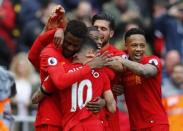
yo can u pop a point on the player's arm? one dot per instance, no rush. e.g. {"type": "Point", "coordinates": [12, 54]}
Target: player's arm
{"type": "Point", "coordinates": [47, 88]}
{"type": "Point", "coordinates": [53, 30]}
{"type": "Point", "coordinates": [146, 70]}
{"type": "Point", "coordinates": [56, 72]}
{"type": "Point", "coordinates": [63, 79]}
{"type": "Point", "coordinates": [115, 64]}
{"type": "Point", "coordinates": [38, 45]}
{"type": "Point", "coordinates": [108, 95]}
{"type": "Point", "coordinates": [38, 96]}
{"type": "Point", "coordinates": [96, 105]}
{"type": "Point", "coordinates": [110, 101]}
{"type": "Point", "coordinates": [57, 21]}
{"type": "Point", "coordinates": [117, 89]}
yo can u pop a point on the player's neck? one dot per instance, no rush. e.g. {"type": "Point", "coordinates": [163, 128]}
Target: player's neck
{"type": "Point", "coordinates": [105, 47]}
{"type": "Point", "coordinates": [76, 60]}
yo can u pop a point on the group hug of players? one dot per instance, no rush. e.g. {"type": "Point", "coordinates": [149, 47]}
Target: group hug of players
{"type": "Point", "coordinates": [82, 74]}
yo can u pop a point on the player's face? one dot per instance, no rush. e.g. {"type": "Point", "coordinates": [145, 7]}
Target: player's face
{"type": "Point", "coordinates": [177, 74]}
{"type": "Point", "coordinates": [97, 37]}
{"type": "Point", "coordinates": [71, 45]}
{"type": "Point", "coordinates": [135, 45]}
{"type": "Point", "coordinates": [104, 29]}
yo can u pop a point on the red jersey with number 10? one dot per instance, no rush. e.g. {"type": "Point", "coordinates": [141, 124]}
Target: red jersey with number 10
{"type": "Point", "coordinates": [74, 98]}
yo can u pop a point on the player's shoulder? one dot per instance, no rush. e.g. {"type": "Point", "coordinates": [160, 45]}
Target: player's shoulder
{"type": "Point", "coordinates": [117, 52]}
{"type": "Point", "coordinates": [101, 73]}
{"type": "Point", "coordinates": [152, 60]}
{"type": "Point", "coordinates": [50, 49]}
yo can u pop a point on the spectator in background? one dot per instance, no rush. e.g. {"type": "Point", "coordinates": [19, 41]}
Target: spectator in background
{"type": "Point", "coordinates": [7, 90]}
{"type": "Point", "coordinates": [158, 10]}
{"type": "Point", "coordinates": [33, 19]}
{"type": "Point", "coordinates": [173, 102]}
{"type": "Point", "coordinates": [23, 73]}
{"type": "Point", "coordinates": [83, 12]}
{"type": "Point", "coordinates": [123, 11]}
{"type": "Point", "coordinates": [170, 24]}
{"type": "Point", "coordinates": [7, 23]}
{"type": "Point", "coordinates": [172, 58]}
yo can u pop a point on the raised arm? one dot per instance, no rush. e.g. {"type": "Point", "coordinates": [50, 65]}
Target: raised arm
{"type": "Point", "coordinates": [38, 45]}
{"type": "Point", "coordinates": [53, 31]}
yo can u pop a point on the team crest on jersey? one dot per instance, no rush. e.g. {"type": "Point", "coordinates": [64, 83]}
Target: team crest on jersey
{"type": "Point", "coordinates": [153, 62]}
{"type": "Point", "coordinates": [52, 61]}
{"type": "Point", "coordinates": [124, 56]}
{"type": "Point", "coordinates": [62, 63]}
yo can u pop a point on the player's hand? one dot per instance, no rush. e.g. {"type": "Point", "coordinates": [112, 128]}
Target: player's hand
{"type": "Point", "coordinates": [59, 37]}
{"type": "Point", "coordinates": [56, 19]}
{"type": "Point", "coordinates": [117, 90]}
{"type": "Point", "coordinates": [96, 105]}
{"type": "Point", "coordinates": [37, 96]}
{"type": "Point", "coordinates": [114, 63]}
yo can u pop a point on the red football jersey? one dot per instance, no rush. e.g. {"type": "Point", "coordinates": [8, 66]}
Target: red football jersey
{"type": "Point", "coordinates": [51, 65]}
{"type": "Point", "coordinates": [48, 111]}
{"type": "Point", "coordinates": [74, 98]}
{"type": "Point", "coordinates": [143, 97]}
{"type": "Point", "coordinates": [115, 52]}
{"type": "Point", "coordinates": [113, 119]}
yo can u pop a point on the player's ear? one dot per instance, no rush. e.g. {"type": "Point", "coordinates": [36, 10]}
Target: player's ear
{"type": "Point", "coordinates": [111, 33]}
{"type": "Point", "coordinates": [75, 55]}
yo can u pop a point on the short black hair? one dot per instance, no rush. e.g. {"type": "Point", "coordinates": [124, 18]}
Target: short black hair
{"type": "Point", "coordinates": [89, 43]}
{"type": "Point", "coordinates": [134, 31]}
{"type": "Point", "coordinates": [77, 29]}
{"type": "Point", "coordinates": [92, 28]}
{"type": "Point", "coordinates": [104, 16]}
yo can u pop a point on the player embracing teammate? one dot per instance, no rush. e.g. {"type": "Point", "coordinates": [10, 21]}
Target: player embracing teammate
{"type": "Point", "coordinates": [68, 88]}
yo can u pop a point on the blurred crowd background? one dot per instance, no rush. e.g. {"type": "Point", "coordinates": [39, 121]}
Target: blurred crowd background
{"type": "Point", "coordinates": [21, 21]}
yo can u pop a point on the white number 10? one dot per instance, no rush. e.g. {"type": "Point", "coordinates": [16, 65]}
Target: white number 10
{"type": "Point", "coordinates": [77, 94]}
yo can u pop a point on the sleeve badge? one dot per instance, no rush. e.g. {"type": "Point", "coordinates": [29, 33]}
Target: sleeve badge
{"type": "Point", "coordinates": [52, 61]}
{"type": "Point", "coordinates": [124, 56]}
{"type": "Point", "coordinates": [153, 62]}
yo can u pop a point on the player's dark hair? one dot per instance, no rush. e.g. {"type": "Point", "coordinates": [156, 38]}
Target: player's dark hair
{"type": "Point", "coordinates": [92, 28]}
{"type": "Point", "coordinates": [104, 16]}
{"type": "Point", "coordinates": [134, 31]}
{"type": "Point", "coordinates": [77, 29]}
{"type": "Point", "coordinates": [89, 43]}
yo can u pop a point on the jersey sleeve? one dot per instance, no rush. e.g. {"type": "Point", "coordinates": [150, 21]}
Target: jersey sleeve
{"type": "Point", "coordinates": [155, 61]}
{"type": "Point", "coordinates": [106, 80]}
{"type": "Point", "coordinates": [55, 69]}
{"type": "Point", "coordinates": [63, 79]}
{"type": "Point", "coordinates": [110, 73]}
{"type": "Point", "coordinates": [48, 85]}
{"type": "Point", "coordinates": [38, 45]}
{"type": "Point", "coordinates": [121, 53]}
